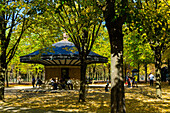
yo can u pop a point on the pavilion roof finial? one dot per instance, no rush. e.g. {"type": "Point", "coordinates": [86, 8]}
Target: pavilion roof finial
{"type": "Point", "coordinates": [65, 36]}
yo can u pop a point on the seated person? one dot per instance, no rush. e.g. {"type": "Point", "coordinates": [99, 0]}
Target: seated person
{"type": "Point", "coordinates": [55, 85]}
{"type": "Point", "coordinates": [70, 84]}
{"type": "Point", "coordinates": [51, 81]}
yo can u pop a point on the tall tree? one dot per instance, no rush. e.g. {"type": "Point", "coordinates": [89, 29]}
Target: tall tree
{"type": "Point", "coordinates": [151, 19]}
{"type": "Point", "coordinates": [13, 15]}
{"type": "Point", "coordinates": [135, 51]}
{"type": "Point", "coordinates": [81, 21]}
{"type": "Point", "coordinates": [115, 16]}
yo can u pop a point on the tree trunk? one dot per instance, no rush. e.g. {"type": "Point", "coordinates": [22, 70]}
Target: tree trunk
{"type": "Point", "coordinates": [158, 71]}
{"type": "Point", "coordinates": [2, 72]}
{"type": "Point", "coordinates": [6, 74]}
{"type": "Point", "coordinates": [104, 73]}
{"type": "Point", "coordinates": [114, 27]}
{"type": "Point", "coordinates": [27, 75]}
{"type": "Point", "coordinates": [2, 82]}
{"type": "Point", "coordinates": [117, 86]}
{"type": "Point", "coordinates": [169, 71]}
{"type": "Point", "coordinates": [16, 74]}
{"type": "Point", "coordinates": [138, 71]}
{"type": "Point", "coordinates": [89, 74]}
{"type": "Point", "coordinates": [109, 72]}
{"type": "Point", "coordinates": [3, 65]}
{"type": "Point", "coordinates": [146, 76]}
{"type": "Point", "coordinates": [117, 83]}
{"type": "Point", "coordinates": [82, 80]}
{"type": "Point", "coordinates": [94, 71]}
{"type": "Point", "coordinates": [125, 72]}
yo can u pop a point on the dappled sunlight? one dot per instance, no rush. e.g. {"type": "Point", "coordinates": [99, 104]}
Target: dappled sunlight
{"type": "Point", "coordinates": [96, 100]}
{"type": "Point", "coordinates": [143, 99]}
{"type": "Point", "coordinates": [138, 100]}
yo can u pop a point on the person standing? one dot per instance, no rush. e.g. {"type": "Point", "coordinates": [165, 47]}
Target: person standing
{"type": "Point", "coordinates": [129, 82]}
{"type": "Point", "coordinates": [38, 81]}
{"type": "Point", "coordinates": [55, 85]}
{"type": "Point", "coordinates": [151, 77]}
{"type": "Point", "coordinates": [136, 80]}
{"type": "Point", "coordinates": [33, 81]}
{"type": "Point", "coordinates": [107, 81]}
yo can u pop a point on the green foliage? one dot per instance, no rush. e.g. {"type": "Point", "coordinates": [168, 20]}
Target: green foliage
{"type": "Point", "coordinates": [166, 54]}
{"type": "Point", "coordinates": [102, 44]}
{"type": "Point", "coordinates": [15, 21]}
{"type": "Point", "coordinates": [152, 22]}
{"type": "Point", "coordinates": [149, 24]}
{"type": "Point", "coordinates": [135, 51]}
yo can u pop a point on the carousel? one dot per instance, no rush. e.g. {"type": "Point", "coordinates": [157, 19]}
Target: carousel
{"type": "Point", "coordinates": [61, 60]}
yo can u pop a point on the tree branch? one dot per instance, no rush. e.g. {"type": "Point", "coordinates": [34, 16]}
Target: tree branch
{"type": "Point", "coordinates": [166, 3]}
{"type": "Point", "coordinates": [10, 31]}
{"type": "Point", "coordinates": [76, 9]}
{"type": "Point", "coordinates": [75, 19]}
{"type": "Point", "coordinates": [94, 37]}
{"type": "Point", "coordinates": [12, 51]}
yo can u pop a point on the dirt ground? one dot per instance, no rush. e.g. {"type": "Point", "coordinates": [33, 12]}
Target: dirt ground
{"type": "Point", "coordinates": [138, 100]}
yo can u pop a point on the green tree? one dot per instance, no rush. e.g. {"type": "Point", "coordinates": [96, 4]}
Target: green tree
{"type": "Point", "coordinates": [102, 46]}
{"type": "Point", "coordinates": [135, 51]}
{"type": "Point", "coordinates": [34, 39]}
{"type": "Point", "coordinates": [166, 57]}
{"type": "Point", "coordinates": [115, 13]}
{"type": "Point", "coordinates": [81, 21]}
{"type": "Point", "coordinates": [152, 22]}
{"type": "Point", "coordinates": [13, 16]}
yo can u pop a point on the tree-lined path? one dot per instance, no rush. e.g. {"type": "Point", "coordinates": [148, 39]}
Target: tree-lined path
{"type": "Point", "coordinates": [135, 34]}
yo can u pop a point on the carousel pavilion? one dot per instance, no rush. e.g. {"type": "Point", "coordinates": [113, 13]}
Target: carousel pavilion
{"type": "Point", "coordinates": [61, 60]}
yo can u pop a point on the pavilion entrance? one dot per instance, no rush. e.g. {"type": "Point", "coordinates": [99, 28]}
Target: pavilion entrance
{"type": "Point", "coordinates": [65, 73]}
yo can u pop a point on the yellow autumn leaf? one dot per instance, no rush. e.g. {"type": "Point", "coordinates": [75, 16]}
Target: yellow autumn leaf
{"type": "Point", "coordinates": [163, 29]}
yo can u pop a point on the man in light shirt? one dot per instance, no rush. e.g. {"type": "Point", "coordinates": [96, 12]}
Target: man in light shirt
{"type": "Point", "coordinates": [151, 77]}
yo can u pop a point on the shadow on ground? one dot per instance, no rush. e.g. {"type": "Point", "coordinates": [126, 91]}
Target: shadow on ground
{"type": "Point", "coordinates": [61, 101]}
{"type": "Point", "coordinates": [138, 100]}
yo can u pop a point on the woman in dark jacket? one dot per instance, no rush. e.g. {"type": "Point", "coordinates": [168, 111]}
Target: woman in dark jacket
{"type": "Point", "coordinates": [33, 81]}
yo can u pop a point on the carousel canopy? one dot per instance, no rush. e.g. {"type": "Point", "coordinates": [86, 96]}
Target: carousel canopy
{"type": "Point", "coordinates": [61, 53]}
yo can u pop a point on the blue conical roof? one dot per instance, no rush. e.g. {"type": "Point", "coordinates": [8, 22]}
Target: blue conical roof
{"type": "Point", "coordinates": [61, 50]}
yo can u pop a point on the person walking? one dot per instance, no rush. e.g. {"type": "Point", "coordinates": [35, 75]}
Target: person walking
{"type": "Point", "coordinates": [33, 81]}
{"type": "Point", "coordinates": [151, 77]}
